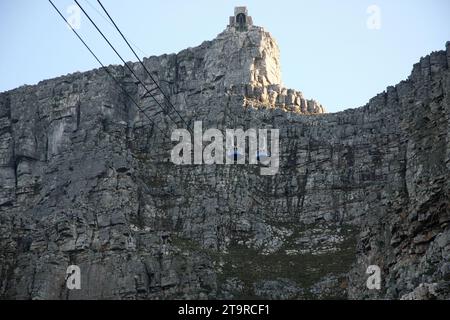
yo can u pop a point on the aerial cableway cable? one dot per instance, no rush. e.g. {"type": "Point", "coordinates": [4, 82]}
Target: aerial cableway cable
{"type": "Point", "coordinates": [107, 70]}
{"type": "Point", "coordinates": [142, 64]}
{"type": "Point", "coordinates": [126, 64]}
{"type": "Point", "coordinates": [109, 22]}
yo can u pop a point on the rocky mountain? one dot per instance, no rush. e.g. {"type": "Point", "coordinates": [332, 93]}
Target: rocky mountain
{"type": "Point", "coordinates": [86, 179]}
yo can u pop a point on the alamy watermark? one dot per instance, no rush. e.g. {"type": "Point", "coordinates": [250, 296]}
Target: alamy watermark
{"type": "Point", "coordinates": [373, 22]}
{"type": "Point", "coordinates": [374, 280]}
{"type": "Point", "coordinates": [74, 18]}
{"type": "Point", "coordinates": [73, 277]}
{"type": "Point", "coordinates": [235, 151]}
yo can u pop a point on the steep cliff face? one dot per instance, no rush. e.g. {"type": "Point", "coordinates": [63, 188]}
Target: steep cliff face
{"type": "Point", "coordinates": [87, 180]}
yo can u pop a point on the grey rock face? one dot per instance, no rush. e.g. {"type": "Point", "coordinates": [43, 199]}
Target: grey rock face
{"type": "Point", "coordinates": [86, 179]}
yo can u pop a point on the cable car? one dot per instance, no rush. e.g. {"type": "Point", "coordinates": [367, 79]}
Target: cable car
{"type": "Point", "coordinates": [262, 156]}
{"type": "Point", "coordinates": [235, 155]}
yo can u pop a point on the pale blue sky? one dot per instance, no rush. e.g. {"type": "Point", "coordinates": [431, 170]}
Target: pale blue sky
{"type": "Point", "coordinates": [327, 51]}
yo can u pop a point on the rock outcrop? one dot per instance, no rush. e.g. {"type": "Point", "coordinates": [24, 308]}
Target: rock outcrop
{"type": "Point", "coordinates": [86, 179]}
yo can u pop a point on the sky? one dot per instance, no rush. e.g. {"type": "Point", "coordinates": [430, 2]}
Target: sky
{"type": "Point", "coordinates": [341, 53]}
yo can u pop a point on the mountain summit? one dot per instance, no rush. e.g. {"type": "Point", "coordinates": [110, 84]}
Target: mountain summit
{"type": "Point", "coordinates": [86, 180]}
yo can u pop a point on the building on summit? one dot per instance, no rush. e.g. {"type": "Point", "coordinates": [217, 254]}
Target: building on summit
{"type": "Point", "coordinates": [241, 21]}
